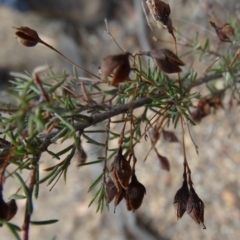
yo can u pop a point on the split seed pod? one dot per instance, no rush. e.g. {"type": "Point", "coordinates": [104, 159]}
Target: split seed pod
{"type": "Point", "coordinates": [166, 60]}
{"type": "Point", "coordinates": [160, 11]}
{"type": "Point", "coordinates": [111, 190]}
{"type": "Point", "coordinates": [7, 210]}
{"type": "Point", "coordinates": [181, 199]}
{"type": "Point", "coordinates": [81, 156]}
{"type": "Point", "coordinates": [27, 36]}
{"type": "Point", "coordinates": [121, 171]}
{"type": "Point", "coordinates": [223, 32]}
{"type": "Point", "coordinates": [118, 65]}
{"type": "Point", "coordinates": [195, 208]}
{"type": "Point", "coordinates": [135, 193]}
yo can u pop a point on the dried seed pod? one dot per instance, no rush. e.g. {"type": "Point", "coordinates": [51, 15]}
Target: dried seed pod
{"type": "Point", "coordinates": [203, 109]}
{"type": "Point", "coordinates": [81, 156]}
{"type": "Point", "coordinates": [166, 60]}
{"type": "Point", "coordinates": [169, 136]}
{"type": "Point", "coordinates": [119, 197]}
{"type": "Point", "coordinates": [195, 208]}
{"type": "Point", "coordinates": [118, 63]}
{"type": "Point", "coordinates": [165, 164]}
{"type": "Point", "coordinates": [181, 199]}
{"type": "Point", "coordinates": [135, 193]}
{"type": "Point", "coordinates": [27, 36]}
{"type": "Point", "coordinates": [12, 206]}
{"type": "Point", "coordinates": [160, 11]}
{"type": "Point", "coordinates": [7, 210]}
{"type": "Point", "coordinates": [111, 190]}
{"type": "Point", "coordinates": [223, 32]}
{"type": "Point", "coordinates": [121, 171]}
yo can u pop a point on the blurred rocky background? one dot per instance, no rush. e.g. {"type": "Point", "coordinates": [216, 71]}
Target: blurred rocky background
{"type": "Point", "coordinates": [77, 29]}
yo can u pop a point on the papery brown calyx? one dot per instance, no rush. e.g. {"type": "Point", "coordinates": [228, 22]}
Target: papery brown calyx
{"type": "Point", "coordinates": [121, 171]}
{"type": "Point", "coordinates": [27, 36]}
{"type": "Point", "coordinates": [135, 193]}
{"type": "Point", "coordinates": [203, 109]}
{"type": "Point", "coordinates": [224, 33]}
{"type": "Point", "coordinates": [111, 190]}
{"type": "Point", "coordinates": [118, 65]}
{"type": "Point", "coordinates": [7, 210]}
{"type": "Point", "coordinates": [160, 11]}
{"type": "Point", "coordinates": [169, 136]}
{"type": "Point", "coordinates": [166, 60]}
{"type": "Point", "coordinates": [195, 207]}
{"type": "Point", "coordinates": [164, 162]}
{"type": "Point", "coordinates": [81, 156]}
{"type": "Point", "coordinates": [181, 199]}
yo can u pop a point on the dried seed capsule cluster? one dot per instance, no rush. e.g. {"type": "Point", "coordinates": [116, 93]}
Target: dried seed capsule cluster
{"type": "Point", "coordinates": [123, 183]}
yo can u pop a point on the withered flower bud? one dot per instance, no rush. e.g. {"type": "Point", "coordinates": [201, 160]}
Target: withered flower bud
{"type": "Point", "coordinates": [169, 136]}
{"type": "Point", "coordinates": [135, 193]}
{"type": "Point", "coordinates": [27, 36]}
{"type": "Point", "coordinates": [119, 64]}
{"type": "Point", "coordinates": [7, 210]}
{"type": "Point", "coordinates": [119, 197]}
{"type": "Point", "coordinates": [164, 162]}
{"type": "Point", "coordinates": [111, 190]}
{"type": "Point", "coordinates": [195, 208]}
{"type": "Point", "coordinates": [160, 11]}
{"type": "Point", "coordinates": [203, 109]}
{"type": "Point", "coordinates": [121, 171]}
{"type": "Point", "coordinates": [223, 32]}
{"type": "Point", "coordinates": [81, 156]}
{"type": "Point", "coordinates": [12, 206]}
{"type": "Point", "coordinates": [181, 199]}
{"type": "Point", "coordinates": [166, 60]}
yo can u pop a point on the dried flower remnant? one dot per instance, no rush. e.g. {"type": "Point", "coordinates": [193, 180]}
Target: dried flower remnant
{"type": "Point", "coordinates": [204, 108]}
{"type": "Point", "coordinates": [164, 162]}
{"type": "Point", "coordinates": [121, 171]}
{"type": "Point", "coordinates": [119, 197]}
{"type": "Point", "coordinates": [111, 190]}
{"type": "Point", "coordinates": [169, 136]}
{"type": "Point", "coordinates": [81, 156]}
{"type": "Point", "coordinates": [166, 60]}
{"type": "Point", "coordinates": [118, 65]}
{"type": "Point", "coordinates": [181, 199]}
{"type": "Point", "coordinates": [160, 11]}
{"type": "Point", "coordinates": [27, 36]}
{"type": "Point", "coordinates": [223, 32]}
{"type": "Point", "coordinates": [195, 207]}
{"type": "Point", "coordinates": [7, 210]}
{"type": "Point", "coordinates": [135, 193]}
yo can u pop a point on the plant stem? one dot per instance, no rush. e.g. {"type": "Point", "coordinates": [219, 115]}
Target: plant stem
{"type": "Point", "coordinates": [85, 70]}
{"type": "Point", "coordinates": [27, 216]}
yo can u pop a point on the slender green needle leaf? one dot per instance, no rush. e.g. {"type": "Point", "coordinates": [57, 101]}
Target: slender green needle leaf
{"type": "Point", "coordinates": [45, 222]}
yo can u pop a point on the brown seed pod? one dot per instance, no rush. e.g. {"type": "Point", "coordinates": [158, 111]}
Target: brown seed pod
{"type": "Point", "coordinates": [12, 206]}
{"type": "Point", "coordinates": [81, 156]}
{"type": "Point", "coordinates": [166, 60]}
{"type": "Point", "coordinates": [7, 210]}
{"type": "Point", "coordinates": [111, 190]}
{"type": "Point", "coordinates": [121, 171]}
{"type": "Point", "coordinates": [27, 36]}
{"type": "Point", "coordinates": [164, 162]}
{"type": "Point", "coordinates": [159, 10]}
{"type": "Point", "coordinates": [119, 197]}
{"type": "Point", "coordinates": [195, 208]}
{"type": "Point", "coordinates": [118, 65]}
{"type": "Point", "coordinates": [223, 32]}
{"type": "Point", "coordinates": [181, 199]}
{"type": "Point", "coordinates": [169, 136]}
{"type": "Point", "coordinates": [135, 193]}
